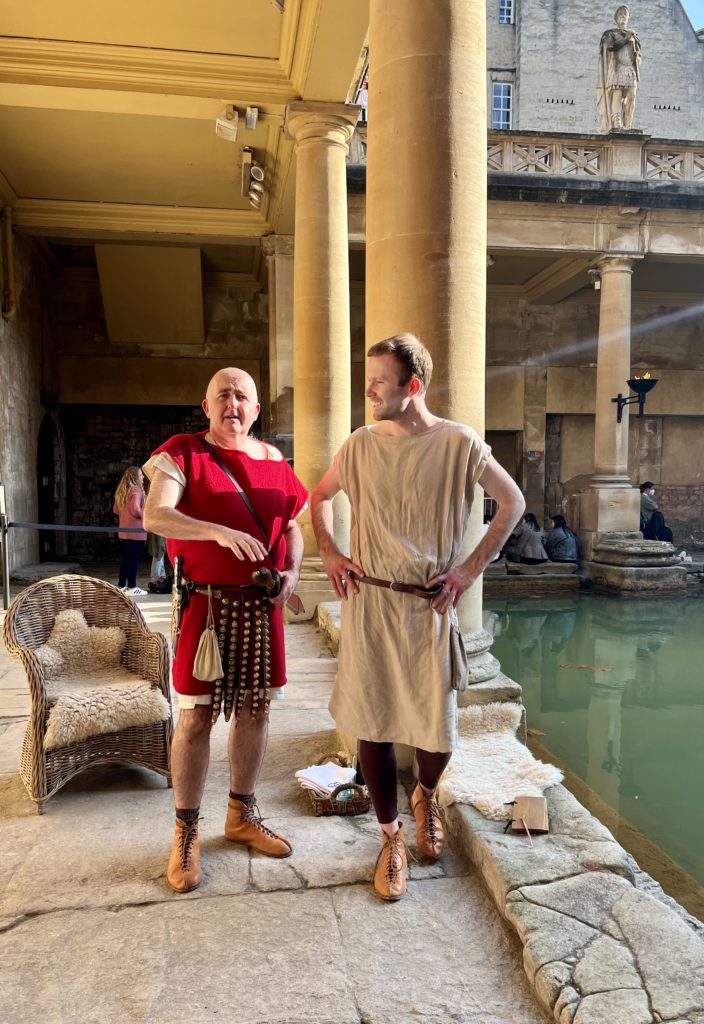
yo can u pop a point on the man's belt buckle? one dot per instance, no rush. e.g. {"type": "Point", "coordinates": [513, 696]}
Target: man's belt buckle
{"type": "Point", "coordinates": [394, 585]}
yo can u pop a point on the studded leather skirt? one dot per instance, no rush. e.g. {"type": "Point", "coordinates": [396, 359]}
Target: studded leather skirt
{"type": "Point", "coordinates": [242, 626]}
{"type": "Point", "coordinates": [250, 639]}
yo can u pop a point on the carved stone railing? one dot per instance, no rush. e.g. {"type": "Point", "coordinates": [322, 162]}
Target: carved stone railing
{"type": "Point", "coordinates": [674, 163]}
{"type": "Point", "coordinates": [512, 155]}
{"type": "Point", "coordinates": [627, 156]}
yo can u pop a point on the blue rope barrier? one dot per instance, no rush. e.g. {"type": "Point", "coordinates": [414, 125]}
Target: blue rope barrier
{"type": "Point", "coordinates": [77, 529]}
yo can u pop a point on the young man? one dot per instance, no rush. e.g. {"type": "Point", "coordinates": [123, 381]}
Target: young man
{"type": "Point", "coordinates": [410, 478]}
{"type": "Point", "coordinates": [196, 506]}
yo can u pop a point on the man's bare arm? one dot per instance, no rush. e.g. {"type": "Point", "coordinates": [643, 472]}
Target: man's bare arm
{"type": "Point", "coordinates": [511, 505]}
{"type": "Point", "coordinates": [340, 569]}
{"type": "Point", "coordinates": [162, 517]}
{"type": "Point", "coordinates": [293, 538]}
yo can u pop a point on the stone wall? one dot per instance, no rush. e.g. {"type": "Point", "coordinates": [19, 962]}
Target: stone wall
{"type": "Point", "coordinates": [26, 349]}
{"type": "Point", "coordinates": [101, 442]}
{"type": "Point", "coordinates": [556, 58]}
{"type": "Point", "coordinates": [236, 332]}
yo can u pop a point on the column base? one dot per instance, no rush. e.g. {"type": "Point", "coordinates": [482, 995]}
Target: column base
{"type": "Point", "coordinates": [632, 551]}
{"type": "Point", "coordinates": [612, 509]}
{"type": "Point", "coordinates": [625, 563]}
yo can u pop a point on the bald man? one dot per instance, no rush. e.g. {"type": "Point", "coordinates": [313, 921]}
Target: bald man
{"type": "Point", "coordinates": [222, 537]}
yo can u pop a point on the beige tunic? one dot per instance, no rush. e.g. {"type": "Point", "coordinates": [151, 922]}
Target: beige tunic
{"type": "Point", "coordinates": [410, 500]}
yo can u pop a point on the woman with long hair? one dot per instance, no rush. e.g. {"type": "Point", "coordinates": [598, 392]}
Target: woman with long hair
{"type": "Point", "coordinates": [129, 506]}
{"type": "Point", "coordinates": [529, 541]}
{"type": "Point", "coordinates": [561, 543]}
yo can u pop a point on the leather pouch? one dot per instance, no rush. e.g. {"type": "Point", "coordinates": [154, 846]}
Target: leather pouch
{"type": "Point", "coordinates": [459, 668]}
{"type": "Point", "coordinates": [207, 664]}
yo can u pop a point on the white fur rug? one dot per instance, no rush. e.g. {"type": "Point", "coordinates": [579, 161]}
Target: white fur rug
{"type": "Point", "coordinates": [490, 767]}
{"type": "Point", "coordinates": [89, 690]}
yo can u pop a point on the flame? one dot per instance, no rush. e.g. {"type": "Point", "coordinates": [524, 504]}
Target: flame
{"type": "Point", "coordinates": [646, 376]}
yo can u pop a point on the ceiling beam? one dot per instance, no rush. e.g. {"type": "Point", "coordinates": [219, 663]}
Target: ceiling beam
{"type": "Point", "coordinates": [142, 69]}
{"type": "Point", "coordinates": [67, 219]}
{"type": "Point", "coordinates": [109, 101]}
{"type": "Point", "coordinates": [559, 280]}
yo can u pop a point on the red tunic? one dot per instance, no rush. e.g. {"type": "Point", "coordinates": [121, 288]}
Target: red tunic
{"type": "Point", "coordinates": [278, 497]}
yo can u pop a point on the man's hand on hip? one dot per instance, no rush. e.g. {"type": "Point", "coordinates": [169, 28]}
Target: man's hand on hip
{"type": "Point", "coordinates": [454, 584]}
{"type": "Point", "coordinates": [341, 572]}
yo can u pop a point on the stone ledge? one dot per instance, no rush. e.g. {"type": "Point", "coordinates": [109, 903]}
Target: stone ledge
{"type": "Point", "coordinates": [518, 585]}
{"type": "Point", "coordinates": [329, 615]}
{"type": "Point", "coordinates": [670, 579]}
{"type": "Point", "coordinates": [596, 947]}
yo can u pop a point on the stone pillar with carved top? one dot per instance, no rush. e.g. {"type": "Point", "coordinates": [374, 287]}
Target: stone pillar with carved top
{"type": "Point", "coordinates": [278, 251]}
{"type": "Point", "coordinates": [321, 314]}
{"type": "Point", "coordinates": [427, 218]}
{"type": "Point", "coordinates": [612, 504]}
{"type": "Point", "coordinates": [616, 558]}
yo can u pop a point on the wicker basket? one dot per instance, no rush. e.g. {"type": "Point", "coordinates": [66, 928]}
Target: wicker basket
{"type": "Point", "coordinates": [357, 804]}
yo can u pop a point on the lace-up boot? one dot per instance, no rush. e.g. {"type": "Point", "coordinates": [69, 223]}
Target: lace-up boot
{"type": "Point", "coordinates": [183, 873]}
{"type": "Point", "coordinates": [391, 867]}
{"type": "Point", "coordinates": [430, 836]}
{"type": "Point", "coordinates": [244, 825]}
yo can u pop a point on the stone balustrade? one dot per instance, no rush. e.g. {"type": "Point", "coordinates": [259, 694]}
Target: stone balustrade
{"type": "Point", "coordinates": [623, 155]}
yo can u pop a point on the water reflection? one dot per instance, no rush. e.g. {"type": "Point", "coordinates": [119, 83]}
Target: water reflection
{"type": "Point", "coordinates": [617, 688]}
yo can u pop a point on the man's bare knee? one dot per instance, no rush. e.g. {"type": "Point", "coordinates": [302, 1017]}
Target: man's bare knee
{"type": "Point", "coordinates": [195, 723]}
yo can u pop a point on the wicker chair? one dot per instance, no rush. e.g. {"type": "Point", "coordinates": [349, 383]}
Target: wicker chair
{"type": "Point", "coordinates": [28, 624]}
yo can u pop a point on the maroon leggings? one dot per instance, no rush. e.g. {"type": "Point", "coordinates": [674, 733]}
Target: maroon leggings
{"type": "Point", "coordinates": [378, 762]}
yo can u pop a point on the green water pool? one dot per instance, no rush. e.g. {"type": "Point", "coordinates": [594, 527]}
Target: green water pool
{"type": "Point", "coordinates": [617, 687]}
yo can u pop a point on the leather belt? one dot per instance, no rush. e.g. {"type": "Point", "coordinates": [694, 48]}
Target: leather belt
{"type": "Point", "coordinates": [404, 588]}
{"type": "Point", "coordinates": [218, 591]}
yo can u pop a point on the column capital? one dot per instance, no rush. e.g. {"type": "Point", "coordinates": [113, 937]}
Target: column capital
{"type": "Point", "coordinates": [317, 121]}
{"type": "Point", "coordinates": [277, 245]}
{"type": "Point", "coordinates": [617, 262]}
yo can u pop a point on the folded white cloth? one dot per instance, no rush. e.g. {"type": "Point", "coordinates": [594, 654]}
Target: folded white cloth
{"type": "Point", "coordinates": [323, 778]}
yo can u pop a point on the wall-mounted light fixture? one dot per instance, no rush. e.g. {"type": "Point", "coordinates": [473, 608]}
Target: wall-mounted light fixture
{"type": "Point", "coordinates": [641, 386]}
{"type": "Point", "coordinates": [252, 178]}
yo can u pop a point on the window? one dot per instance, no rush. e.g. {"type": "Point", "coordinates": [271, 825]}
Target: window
{"type": "Point", "coordinates": [505, 12]}
{"type": "Point", "coordinates": [501, 105]}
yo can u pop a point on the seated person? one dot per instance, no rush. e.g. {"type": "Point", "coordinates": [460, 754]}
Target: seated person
{"type": "Point", "coordinates": [648, 504]}
{"type": "Point", "coordinates": [529, 541]}
{"type": "Point", "coordinates": [561, 543]}
{"type": "Point", "coordinates": [655, 528]}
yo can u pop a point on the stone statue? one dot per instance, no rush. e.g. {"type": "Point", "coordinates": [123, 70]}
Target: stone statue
{"type": "Point", "coordinates": [619, 74]}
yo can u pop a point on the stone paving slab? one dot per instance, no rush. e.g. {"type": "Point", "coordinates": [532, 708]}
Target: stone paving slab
{"type": "Point", "coordinates": [93, 935]}
{"type": "Point", "coordinates": [272, 958]}
{"type": "Point", "coordinates": [447, 938]}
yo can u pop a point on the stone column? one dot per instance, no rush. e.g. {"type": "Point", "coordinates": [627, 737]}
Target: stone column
{"type": "Point", "coordinates": [321, 316]}
{"type": "Point", "coordinates": [427, 212]}
{"type": "Point", "coordinates": [278, 250]}
{"type": "Point", "coordinates": [534, 405]}
{"type": "Point", "coordinates": [611, 505]}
